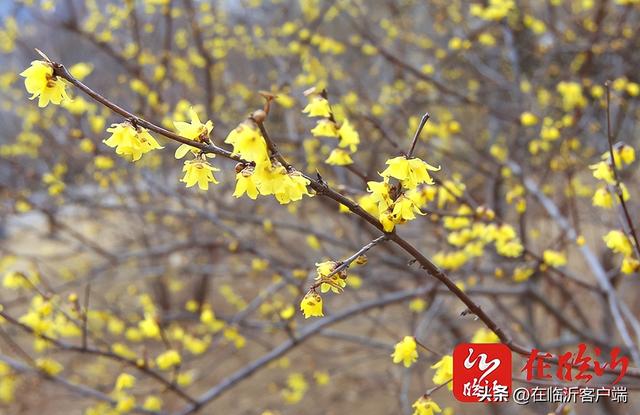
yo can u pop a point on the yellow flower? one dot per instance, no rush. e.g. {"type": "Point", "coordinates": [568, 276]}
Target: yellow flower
{"type": "Point", "coordinates": [49, 366]}
{"type": "Point", "coordinates": [444, 371]}
{"type": "Point", "coordinates": [318, 107]}
{"type": "Point", "coordinates": [296, 388]}
{"type": "Point", "coordinates": [380, 194]}
{"type": "Point", "coordinates": [485, 336]}
{"type": "Point", "coordinates": [522, 274]}
{"type": "Point", "coordinates": [130, 141]}
{"type": "Point", "coordinates": [325, 268]}
{"type": "Point", "coordinates": [404, 209]}
{"type": "Point", "coordinates": [627, 154]}
{"type": "Point", "coordinates": [125, 381]}
{"type": "Point", "coordinates": [495, 10]}
{"type": "Point", "coordinates": [152, 403]}
{"type": "Point", "coordinates": [149, 326]}
{"type": "Point", "coordinates": [14, 280]}
{"type": "Point", "coordinates": [311, 305]}
{"type": "Point", "coordinates": [339, 157]}
{"type": "Point", "coordinates": [321, 377]}
{"type": "Point", "coordinates": [425, 406]}
{"type": "Point", "coordinates": [81, 70]}
{"type": "Point", "coordinates": [418, 305]}
{"type": "Point", "coordinates": [349, 137]}
{"type": "Point", "coordinates": [388, 221]}
{"type": "Point", "coordinates": [602, 170]}
{"type": "Point", "coordinates": [571, 95]}
{"type": "Point", "coordinates": [618, 242]}
{"type": "Point", "coordinates": [405, 351]}
{"type": "Point", "coordinates": [313, 242]}
{"type": "Point", "coordinates": [630, 265]}
{"type": "Point", "coordinates": [528, 119]}
{"type": "Point", "coordinates": [334, 283]}
{"type": "Point", "coordinates": [198, 171]}
{"type": "Point", "coordinates": [168, 359]}
{"type": "Point", "coordinates": [269, 177]}
{"type": "Point", "coordinates": [554, 258]}
{"type": "Point", "coordinates": [185, 378]}
{"type": "Point", "coordinates": [195, 345]}
{"type": "Point", "coordinates": [273, 179]}
{"type": "Point", "coordinates": [7, 387]}
{"type": "Point", "coordinates": [288, 312]}
{"type": "Point", "coordinates": [125, 403]}
{"type": "Point", "coordinates": [549, 133]}
{"type": "Point", "coordinates": [411, 172]}
{"type": "Point", "coordinates": [22, 206]}
{"type": "Point", "coordinates": [602, 198]}
{"type": "Point", "coordinates": [325, 128]}
{"type": "Point", "coordinates": [247, 141]}
{"type": "Point", "coordinates": [123, 351]}
{"type": "Point", "coordinates": [294, 187]}
{"type": "Point", "coordinates": [40, 82]}
{"type": "Point", "coordinates": [245, 183]}
{"type": "Point", "coordinates": [195, 130]}
{"type": "Point", "coordinates": [103, 162]}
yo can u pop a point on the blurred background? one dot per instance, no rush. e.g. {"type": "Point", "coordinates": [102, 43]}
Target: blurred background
{"type": "Point", "coordinates": [109, 266]}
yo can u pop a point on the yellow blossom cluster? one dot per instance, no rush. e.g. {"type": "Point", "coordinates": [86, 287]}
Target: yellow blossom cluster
{"type": "Point", "coordinates": [263, 175]}
{"type": "Point", "coordinates": [394, 200]}
{"type": "Point", "coordinates": [327, 126]}
{"type": "Point", "coordinates": [131, 141]}
{"type": "Point", "coordinates": [472, 239]}
{"type": "Point", "coordinates": [620, 243]}
{"type": "Point", "coordinates": [198, 169]}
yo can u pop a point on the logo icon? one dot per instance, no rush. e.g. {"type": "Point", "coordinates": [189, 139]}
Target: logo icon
{"type": "Point", "coordinates": [481, 372]}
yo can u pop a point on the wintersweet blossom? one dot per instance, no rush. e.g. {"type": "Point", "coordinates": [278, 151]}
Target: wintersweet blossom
{"type": "Point", "coordinates": [245, 183]}
{"type": "Point", "coordinates": [317, 107]}
{"type": "Point", "coordinates": [195, 130]}
{"type": "Point", "coordinates": [405, 351]}
{"type": "Point", "coordinates": [325, 128]}
{"type": "Point", "coordinates": [131, 141]}
{"type": "Point", "coordinates": [444, 371]}
{"type": "Point", "coordinates": [618, 242]}
{"type": "Point", "coordinates": [425, 406]}
{"type": "Point", "coordinates": [199, 171]}
{"type": "Point", "coordinates": [554, 258]}
{"type": "Point", "coordinates": [42, 84]}
{"type": "Point", "coordinates": [483, 335]}
{"type": "Point", "coordinates": [168, 359]}
{"type": "Point", "coordinates": [410, 172]}
{"type": "Point", "coordinates": [349, 137]}
{"type": "Point", "coordinates": [247, 141]}
{"type": "Point", "coordinates": [335, 282]}
{"type": "Point", "coordinates": [339, 157]}
{"type": "Point", "coordinates": [311, 305]}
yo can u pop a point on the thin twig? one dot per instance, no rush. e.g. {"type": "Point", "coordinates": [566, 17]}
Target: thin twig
{"type": "Point", "coordinates": [423, 121]}
{"type": "Point", "coordinates": [347, 262]}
